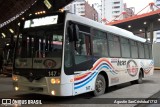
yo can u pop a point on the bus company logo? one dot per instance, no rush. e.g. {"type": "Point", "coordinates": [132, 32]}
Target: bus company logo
{"type": "Point", "coordinates": [132, 68]}
{"type": "Point", "coordinates": [121, 62]}
{"type": "Point", "coordinates": [21, 62]}
{"type": "Point", "coordinates": [49, 63]}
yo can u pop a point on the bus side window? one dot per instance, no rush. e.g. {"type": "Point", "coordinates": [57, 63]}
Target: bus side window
{"type": "Point", "coordinates": [82, 48]}
{"type": "Point", "coordinates": [141, 50]}
{"type": "Point", "coordinates": [125, 46]}
{"type": "Point", "coordinates": [100, 47]}
{"type": "Point", "coordinates": [114, 45]}
{"type": "Point", "coordinates": [134, 49]}
{"type": "Point", "coordinates": [146, 47]}
{"type": "Point", "coordinates": [150, 51]}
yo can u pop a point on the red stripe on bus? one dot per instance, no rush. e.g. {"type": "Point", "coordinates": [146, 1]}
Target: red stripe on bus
{"type": "Point", "coordinates": [81, 77]}
{"type": "Point", "coordinates": [101, 60]}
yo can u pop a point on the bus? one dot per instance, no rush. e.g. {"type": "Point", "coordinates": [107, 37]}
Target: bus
{"type": "Point", "coordinates": [7, 66]}
{"type": "Point", "coordinates": [62, 54]}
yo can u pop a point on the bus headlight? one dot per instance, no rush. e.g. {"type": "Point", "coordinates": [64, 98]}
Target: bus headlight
{"type": "Point", "coordinates": [15, 78]}
{"type": "Point", "coordinates": [53, 92]}
{"type": "Point", "coordinates": [55, 81]}
{"type": "Point", "coordinates": [16, 88]}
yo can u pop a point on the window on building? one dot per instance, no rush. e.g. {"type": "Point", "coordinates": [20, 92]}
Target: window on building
{"type": "Point", "coordinates": [115, 11]}
{"type": "Point", "coordinates": [158, 4]}
{"type": "Point", "coordinates": [116, 2]}
{"type": "Point", "coordinates": [116, 7]}
{"type": "Point", "coordinates": [125, 46]}
{"type": "Point", "coordinates": [100, 47]}
{"type": "Point", "coordinates": [82, 4]}
{"type": "Point", "coordinates": [115, 16]}
{"type": "Point", "coordinates": [114, 45]}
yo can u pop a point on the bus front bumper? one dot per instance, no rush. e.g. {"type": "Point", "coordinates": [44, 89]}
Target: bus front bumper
{"type": "Point", "coordinates": [43, 86]}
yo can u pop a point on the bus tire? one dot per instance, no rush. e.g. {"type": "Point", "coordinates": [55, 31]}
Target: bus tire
{"type": "Point", "coordinates": [139, 81]}
{"type": "Point", "coordinates": [100, 85]}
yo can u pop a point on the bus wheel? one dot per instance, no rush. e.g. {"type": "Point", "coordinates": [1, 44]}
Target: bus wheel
{"type": "Point", "coordinates": [139, 81]}
{"type": "Point", "coordinates": [100, 85]}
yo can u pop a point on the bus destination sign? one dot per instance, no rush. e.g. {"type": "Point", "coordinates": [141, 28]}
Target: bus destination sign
{"type": "Point", "coordinates": [48, 20]}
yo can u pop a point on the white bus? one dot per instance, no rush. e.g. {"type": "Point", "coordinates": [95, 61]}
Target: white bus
{"type": "Point", "coordinates": [62, 54]}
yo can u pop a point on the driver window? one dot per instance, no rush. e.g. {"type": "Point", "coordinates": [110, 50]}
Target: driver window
{"type": "Point", "coordinates": [82, 48]}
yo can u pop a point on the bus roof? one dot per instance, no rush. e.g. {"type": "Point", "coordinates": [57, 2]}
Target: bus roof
{"type": "Point", "coordinates": [108, 28]}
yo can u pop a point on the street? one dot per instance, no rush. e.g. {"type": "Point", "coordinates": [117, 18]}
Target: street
{"type": "Point", "coordinates": [148, 88]}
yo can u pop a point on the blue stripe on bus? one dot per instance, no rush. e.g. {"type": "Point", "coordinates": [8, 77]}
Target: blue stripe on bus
{"type": "Point", "coordinates": [111, 69]}
{"type": "Point", "coordinates": [102, 65]}
{"type": "Point", "coordinates": [86, 82]}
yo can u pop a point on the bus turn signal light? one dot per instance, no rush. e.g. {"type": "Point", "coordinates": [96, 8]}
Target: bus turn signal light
{"type": "Point", "coordinates": [55, 81]}
{"type": "Point", "coordinates": [15, 78]}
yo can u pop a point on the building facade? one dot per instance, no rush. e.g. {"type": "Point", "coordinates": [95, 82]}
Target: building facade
{"type": "Point", "coordinates": [82, 8]}
{"type": "Point", "coordinates": [157, 33]}
{"type": "Point", "coordinates": [112, 9]}
{"type": "Point", "coordinates": [157, 3]}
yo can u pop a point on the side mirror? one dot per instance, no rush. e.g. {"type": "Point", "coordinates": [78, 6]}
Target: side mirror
{"type": "Point", "coordinates": [73, 32]}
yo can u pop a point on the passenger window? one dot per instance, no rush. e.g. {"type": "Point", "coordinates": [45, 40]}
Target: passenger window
{"type": "Point", "coordinates": [100, 47]}
{"type": "Point", "coordinates": [134, 49]}
{"type": "Point", "coordinates": [125, 46]}
{"type": "Point", "coordinates": [141, 50]}
{"type": "Point", "coordinates": [114, 46]}
{"type": "Point", "coordinates": [150, 51]}
{"type": "Point", "coordinates": [146, 51]}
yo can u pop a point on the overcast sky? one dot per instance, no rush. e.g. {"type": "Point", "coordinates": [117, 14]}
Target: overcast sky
{"type": "Point", "coordinates": [138, 4]}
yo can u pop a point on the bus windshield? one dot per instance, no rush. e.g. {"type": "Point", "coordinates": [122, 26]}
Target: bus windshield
{"type": "Point", "coordinates": [39, 49]}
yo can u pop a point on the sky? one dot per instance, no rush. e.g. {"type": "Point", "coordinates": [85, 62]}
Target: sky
{"type": "Point", "coordinates": [138, 4]}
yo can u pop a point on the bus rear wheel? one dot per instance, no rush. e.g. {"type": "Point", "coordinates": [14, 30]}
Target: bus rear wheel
{"type": "Point", "coordinates": [100, 85]}
{"type": "Point", "coordinates": [139, 81]}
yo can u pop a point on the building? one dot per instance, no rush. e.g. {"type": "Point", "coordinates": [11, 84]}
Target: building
{"type": "Point", "coordinates": [98, 8]}
{"type": "Point", "coordinates": [90, 12]}
{"type": "Point", "coordinates": [112, 9]}
{"type": "Point", "coordinates": [76, 7]}
{"type": "Point", "coordinates": [157, 3]}
{"type": "Point", "coordinates": [157, 33]}
{"type": "Point", "coordinates": [82, 8]}
{"type": "Point", "coordinates": [129, 12]}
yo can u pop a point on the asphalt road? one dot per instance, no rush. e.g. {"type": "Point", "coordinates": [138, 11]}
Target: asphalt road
{"type": "Point", "coordinates": [149, 88]}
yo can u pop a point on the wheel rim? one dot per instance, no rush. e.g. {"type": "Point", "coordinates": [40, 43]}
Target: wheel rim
{"type": "Point", "coordinates": [99, 85]}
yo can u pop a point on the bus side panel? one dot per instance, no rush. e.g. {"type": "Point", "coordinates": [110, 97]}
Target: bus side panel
{"type": "Point", "coordinates": [67, 82]}
{"type": "Point", "coordinates": [128, 69]}
{"type": "Point", "coordinates": [147, 66]}
{"type": "Point", "coordinates": [123, 70]}
{"type": "Point", "coordinates": [84, 82]}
